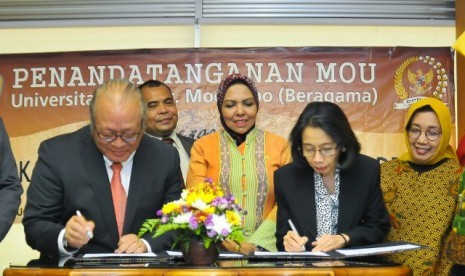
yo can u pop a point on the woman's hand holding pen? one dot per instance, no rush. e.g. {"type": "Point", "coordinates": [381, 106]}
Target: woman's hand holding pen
{"type": "Point", "coordinates": [293, 242]}
{"type": "Point", "coordinates": [77, 231]}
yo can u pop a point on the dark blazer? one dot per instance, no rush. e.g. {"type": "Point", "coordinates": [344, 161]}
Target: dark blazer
{"type": "Point", "coordinates": [362, 213]}
{"type": "Point", "coordinates": [70, 174]}
{"type": "Point", "coordinates": [187, 143]}
{"type": "Point", "coordinates": [10, 186]}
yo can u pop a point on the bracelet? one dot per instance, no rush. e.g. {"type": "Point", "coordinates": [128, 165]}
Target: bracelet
{"type": "Point", "coordinates": [345, 240]}
{"type": "Point", "coordinates": [65, 241]}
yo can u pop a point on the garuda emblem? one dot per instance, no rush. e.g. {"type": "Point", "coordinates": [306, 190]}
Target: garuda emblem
{"type": "Point", "coordinates": [420, 83]}
{"type": "Point", "coordinates": [419, 77]}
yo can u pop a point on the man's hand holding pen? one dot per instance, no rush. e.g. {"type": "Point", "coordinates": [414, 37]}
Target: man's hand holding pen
{"type": "Point", "coordinates": [78, 231]}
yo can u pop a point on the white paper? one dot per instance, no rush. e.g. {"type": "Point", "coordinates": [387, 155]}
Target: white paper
{"type": "Point", "coordinates": [231, 255]}
{"type": "Point", "coordinates": [225, 255]}
{"type": "Point", "coordinates": [174, 253]}
{"type": "Point", "coordinates": [377, 250]}
{"type": "Point", "coordinates": [112, 255]}
{"type": "Point", "coordinates": [305, 253]}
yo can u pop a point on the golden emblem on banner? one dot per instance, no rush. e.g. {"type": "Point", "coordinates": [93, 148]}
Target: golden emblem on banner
{"type": "Point", "coordinates": [419, 81]}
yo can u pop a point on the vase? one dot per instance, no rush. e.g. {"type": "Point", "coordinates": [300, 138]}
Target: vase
{"type": "Point", "coordinates": [197, 254]}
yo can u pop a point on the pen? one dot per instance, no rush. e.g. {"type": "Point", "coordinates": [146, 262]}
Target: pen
{"type": "Point", "coordinates": [295, 230]}
{"type": "Point", "coordinates": [88, 233]}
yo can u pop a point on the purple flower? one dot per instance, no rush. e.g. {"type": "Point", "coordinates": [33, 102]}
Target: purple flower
{"type": "Point", "coordinates": [212, 233]}
{"type": "Point", "coordinates": [159, 213]}
{"type": "Point", "coordinates": [220, 202]}
{"type": "Point", "coordinates": [209, 221]}
{"type": "Point", "coordinates": [164, 219]}
{"type": "Point", "coordinates": [193, 224]}
{"type": "Point", "coordinates": [208, 180]}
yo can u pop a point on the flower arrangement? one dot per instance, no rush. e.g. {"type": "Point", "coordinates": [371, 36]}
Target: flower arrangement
{"type": "Point", "coordinates": [202, 212]}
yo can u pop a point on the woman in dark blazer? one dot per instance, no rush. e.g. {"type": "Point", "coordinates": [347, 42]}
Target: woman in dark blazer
{"type": "Point", "coordinates": [330, 192]}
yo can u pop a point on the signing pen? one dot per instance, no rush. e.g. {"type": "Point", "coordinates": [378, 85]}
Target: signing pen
{"type": "Point", "coordinates": [295, 230]}
{"type": "Point", "coordinates": [89, 234]}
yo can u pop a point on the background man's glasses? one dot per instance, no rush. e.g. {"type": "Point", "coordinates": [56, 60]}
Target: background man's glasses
{"type": "Point", "coordinates": [431, 135]}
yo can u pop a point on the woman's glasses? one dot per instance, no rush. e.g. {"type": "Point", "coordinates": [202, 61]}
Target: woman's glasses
{"type": "Point", "coordinates": [431, 135]}
{"type": "Point", "coordinates": [310, 152]}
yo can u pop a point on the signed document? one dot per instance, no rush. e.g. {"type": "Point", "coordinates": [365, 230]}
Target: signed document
{"type": "Point", "coordinates": [375, 249]}
{"type": "Point", "coordinates": [222, 254]}
{"type": "Point", "coordinates": [290, 254]}
{"type": "Point", "coordinates": [114, 255]}
{"type": "Point", "coordinates": [378, 250]}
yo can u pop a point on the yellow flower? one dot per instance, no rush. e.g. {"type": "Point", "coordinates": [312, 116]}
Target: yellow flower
{"type": "Point", "coordinates": [205, 195]}
{"type": "Point", "coordinates": [210, 210]}
{"type": "Point", "coordinates": [170, 207]}
{"type": "Point", "coordinates": [233, 217]}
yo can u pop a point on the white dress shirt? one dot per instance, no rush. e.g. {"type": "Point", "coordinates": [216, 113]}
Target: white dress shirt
{"type": "Point", "coordinates": [125, 180]}
{"type": "Point", "coordinates": [183, 156]}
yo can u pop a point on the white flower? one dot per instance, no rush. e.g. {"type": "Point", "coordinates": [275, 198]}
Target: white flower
{"type": "Point", "coordinates": [199, 204]}
{"type": "Point", "coordinates": [180, 202]}
{"type": "Point", "coordinates": [182, 218]}
{"type": "Point", "coordinates": [220, 225]}
{"type": "Point", "coordinates": [184, 194]}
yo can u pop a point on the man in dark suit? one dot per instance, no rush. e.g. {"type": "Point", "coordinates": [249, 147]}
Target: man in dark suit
{"type": "Point", "coordinates": [77, 172]}
{"type": "Point", "coordinates": [10, 186]}
{"type": "Point", "coordinates": [162, 118]}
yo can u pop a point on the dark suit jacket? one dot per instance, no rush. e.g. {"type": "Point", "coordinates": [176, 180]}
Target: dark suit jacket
{"type": "Point", "coordinates": [362, 213]}
{"type": "Point", "coordinates": [10, 186]}
{"type": "Point", "coordinates": [187, 143]}
{"type": "Point", "coordinates": [70, 174]}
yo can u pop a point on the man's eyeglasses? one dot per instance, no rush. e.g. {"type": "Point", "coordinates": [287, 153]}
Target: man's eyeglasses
{"type": "Point", "coordinates": [328, 151]}
{"type": "Point", "coordinates": [431, 135]}
{"type": "Point", "coordinates": [112, 137]}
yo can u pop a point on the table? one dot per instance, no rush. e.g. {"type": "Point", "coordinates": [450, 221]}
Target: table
{"type": "Point", "coordinates": [291, 269]}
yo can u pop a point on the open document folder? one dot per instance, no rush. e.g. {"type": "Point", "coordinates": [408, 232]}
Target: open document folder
{"type": "Point", "coordinates": [373, 250]}
{"type": "Point", "coordinates": [176, 256]}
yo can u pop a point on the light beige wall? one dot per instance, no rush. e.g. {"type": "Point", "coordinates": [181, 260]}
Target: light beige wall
{"type": "Point", "coordinates": [110, 38]}
{"type": "Point", "coordinates": [14, 249]}
{"type": "Point", "coordinates": [294, 36]}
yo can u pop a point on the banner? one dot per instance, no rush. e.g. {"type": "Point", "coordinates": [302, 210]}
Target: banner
{"type": "Point", "coordinates": [43, 95]}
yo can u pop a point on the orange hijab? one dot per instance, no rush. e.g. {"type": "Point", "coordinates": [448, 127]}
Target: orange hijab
{"type": "Point", "coordinates": [444, 149]}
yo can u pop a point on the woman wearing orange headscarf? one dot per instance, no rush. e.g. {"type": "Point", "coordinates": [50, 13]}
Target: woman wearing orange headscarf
{"type": "Point", "coordinates": [420, 188]}
{"type": "Point", "coordinates": [242, 158]}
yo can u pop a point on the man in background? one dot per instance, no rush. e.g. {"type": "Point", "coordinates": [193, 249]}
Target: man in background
{"type": "Point", "coordinates": [162, 118]}
{"type": "Point", "coordinates": [92, 189]}
{"type": "Point", "coordinates": [10, 186]}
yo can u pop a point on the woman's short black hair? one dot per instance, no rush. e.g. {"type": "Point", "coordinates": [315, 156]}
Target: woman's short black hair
{"type": "Point", "coordinates": [332, 120]}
